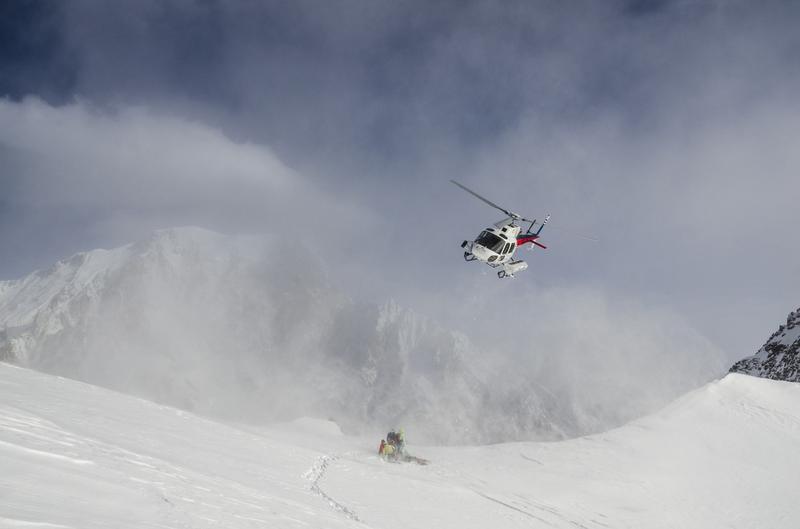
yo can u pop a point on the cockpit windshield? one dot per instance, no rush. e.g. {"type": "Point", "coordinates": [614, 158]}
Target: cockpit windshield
{"type": "Point", "coordinates": [491, 241]}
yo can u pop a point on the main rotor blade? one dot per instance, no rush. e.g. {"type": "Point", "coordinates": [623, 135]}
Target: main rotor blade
{"type": "Point", "coordinates": [476, 195]}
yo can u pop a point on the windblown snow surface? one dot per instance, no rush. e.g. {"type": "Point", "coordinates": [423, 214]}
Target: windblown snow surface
{"type": "Point", "coordinates": [75, 455]}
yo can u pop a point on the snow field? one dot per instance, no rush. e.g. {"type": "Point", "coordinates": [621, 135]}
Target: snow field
{"type": "Point", "coordinates": [74, 455]}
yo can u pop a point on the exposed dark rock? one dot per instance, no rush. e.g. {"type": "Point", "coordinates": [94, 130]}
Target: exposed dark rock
{"type": "Point", "coordinates": [779, 358]}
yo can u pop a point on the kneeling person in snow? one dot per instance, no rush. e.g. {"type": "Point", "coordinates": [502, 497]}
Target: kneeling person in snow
{"type": "Point", "coordinates": [387, 450]}
{"type": "Point", "coordinates": [393, 448]}
{"type": "Point", "coordinates": [396, 440]}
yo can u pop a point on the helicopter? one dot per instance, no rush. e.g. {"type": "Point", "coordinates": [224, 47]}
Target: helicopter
{"type": "Point", "coordinates": [496, 245]}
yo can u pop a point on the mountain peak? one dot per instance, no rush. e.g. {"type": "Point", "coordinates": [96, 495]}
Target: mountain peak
{"type": "Point", "coordinates": [779, 358]}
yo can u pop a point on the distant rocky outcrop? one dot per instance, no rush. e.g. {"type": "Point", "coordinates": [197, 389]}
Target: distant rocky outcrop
{"type": "Point", "coordinates": [779, 358]}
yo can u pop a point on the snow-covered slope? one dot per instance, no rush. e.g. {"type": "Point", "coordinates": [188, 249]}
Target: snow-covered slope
{"type": "Point", "coordinates": [74, 455]}
{"type": "Point", "coordinates": [779, 358]}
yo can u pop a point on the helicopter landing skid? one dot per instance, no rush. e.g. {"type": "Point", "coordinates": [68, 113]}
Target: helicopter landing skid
{"type": "Point", "coordinates": [509, 269]}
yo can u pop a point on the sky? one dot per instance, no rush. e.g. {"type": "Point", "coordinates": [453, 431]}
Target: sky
{"type": "Point", "coordinates": [668, 130]}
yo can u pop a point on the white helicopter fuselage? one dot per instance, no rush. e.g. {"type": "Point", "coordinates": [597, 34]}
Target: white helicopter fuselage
{"type": "Point", "coordinates": [495, 246]}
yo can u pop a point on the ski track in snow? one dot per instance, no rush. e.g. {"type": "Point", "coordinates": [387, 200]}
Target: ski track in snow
{"type": "Point", "coordinates": [523, 456]}
{"type": "Point", "coordinates": [315, 475]}
{"type": "Point", "coordinates": [539, 506]}
{"type": "Point", "coordinates": [508, 506]}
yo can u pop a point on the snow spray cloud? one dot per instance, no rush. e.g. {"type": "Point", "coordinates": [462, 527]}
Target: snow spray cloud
{"type": "Point", "coordinates": [667, 129]}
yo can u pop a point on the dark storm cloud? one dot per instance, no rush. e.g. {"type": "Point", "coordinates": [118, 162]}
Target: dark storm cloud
{"type": "Point", "coordinates": [387, 77]}
{"type": "Point", "coordinates": [32, 54]}
{"type": "Point", "coordinates": [392, 78]}
{"type": "Point", "coordinates": [669, 129]}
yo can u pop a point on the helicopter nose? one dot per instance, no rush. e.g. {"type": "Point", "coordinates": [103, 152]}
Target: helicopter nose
{"type": "Point", "coordinates": [480, 252]}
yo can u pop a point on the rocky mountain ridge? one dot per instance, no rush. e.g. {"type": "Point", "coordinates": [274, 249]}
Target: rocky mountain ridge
{"type": "Point", "coordinates": [779, 358]}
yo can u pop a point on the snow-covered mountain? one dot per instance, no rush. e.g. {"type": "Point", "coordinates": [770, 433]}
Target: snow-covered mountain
{"type": "Point", "coordinates": [252, 329]}
{"type": "Point", "coordinates": [182, 317]}
{"type": "Point", "coordinates": [779, 358]}
{"type": "Point", "coordinates": [78, 456]}
{"type": "Point", "coordinates": [238, 327]}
